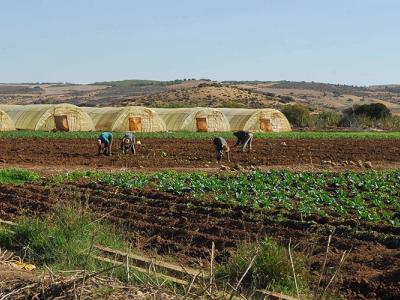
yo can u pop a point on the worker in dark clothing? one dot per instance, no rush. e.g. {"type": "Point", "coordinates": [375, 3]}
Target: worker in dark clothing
{"type": "Point", "coordinates": [105, 141]}
{"type": "Point", "coordinates": [221, 146]}
{"type": "Point", "coordinates": [128, 143]}
{"type": "Point", "coordinates": [244, 138]}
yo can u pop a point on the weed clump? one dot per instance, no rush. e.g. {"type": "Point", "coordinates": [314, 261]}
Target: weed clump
{"type": "Point", "coordinates": [271, 268]}
{"type": "Point", "coordinates": [17, 176]}
{"type": "Point", "coordinates": [63, 239]}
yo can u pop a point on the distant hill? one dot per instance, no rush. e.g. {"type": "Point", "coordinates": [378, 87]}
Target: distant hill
{"type": "Point", "coordinates": [140, 83]}
{"type": "Point", "coordinates": [203, 92]}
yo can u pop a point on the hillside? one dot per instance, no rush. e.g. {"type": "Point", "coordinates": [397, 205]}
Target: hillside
{"type": "Point", "coordinates": [188, 93]}
{"type": "Point", "coordinates": [205, 94]}
{"type": "Point", "coordinates": [323, 96]}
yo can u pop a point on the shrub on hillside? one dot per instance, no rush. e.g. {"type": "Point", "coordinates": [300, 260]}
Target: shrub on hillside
{"type": "Point", "coordinates": [298, 115]}
{"type": "Point", "coordinates": [232, 104]}
{"type": "Point", "coordinates": [327, 119]}
{"type": "Point", "coordinates": [286, 99]}
{"type": "Point", "coordinates": [364, 122]}
{"type": "Point", "coordinates": [374, 115]}
{"type": "Point", "coordinates": [373, 110]}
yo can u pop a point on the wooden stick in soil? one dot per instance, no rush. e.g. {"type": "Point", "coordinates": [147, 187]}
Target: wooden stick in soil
{"type": "Point", "coordinates": [323, 265]}
{"type": "Point", "coordinates": [128, 275]}
{"type": "Point", "coordinates": [86, 261]}
{"type": "Point", "coordinates": [127, 268]}
{"type": "Point", "coordinates": [294, 272]}
{"type": "Point", "coordinates": [212, 266]}
{"type": "Point", "coordinates": [342, 259]}
{"type": "Point", "coordinates": [243, 276]}
{"type": "Point", "coordinates": [190, 286]}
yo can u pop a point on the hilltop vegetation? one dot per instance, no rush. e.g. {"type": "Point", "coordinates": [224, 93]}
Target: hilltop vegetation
{"type": "Point", "coordinates": [321, 87]}
{"type": "Point", "coordinates": [139, 82]}
{"type": "Point", "coordinates": [204, 92]}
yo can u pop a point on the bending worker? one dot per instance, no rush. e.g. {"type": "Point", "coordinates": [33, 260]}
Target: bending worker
{"type": "Point", "coordinates": [105, 141]}
{"type": "Point", "coordinates": [128, 143]}
{"type": "Point", "coordinates": [221, 146]}
{"type": "Point", "coordinates": [244, 138]}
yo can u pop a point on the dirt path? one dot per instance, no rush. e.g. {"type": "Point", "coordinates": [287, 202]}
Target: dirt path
{"type": "Point", "coordinates": [186, 154]}
{"type": "Point", "coordinates": [184, 229]}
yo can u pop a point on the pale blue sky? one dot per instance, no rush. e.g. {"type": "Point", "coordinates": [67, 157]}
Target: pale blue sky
{"type": "Point", "coordinates": [337, 41]}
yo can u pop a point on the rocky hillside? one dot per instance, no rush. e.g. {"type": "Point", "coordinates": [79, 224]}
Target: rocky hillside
{"type": "Point", "coordinates": [189, 93]}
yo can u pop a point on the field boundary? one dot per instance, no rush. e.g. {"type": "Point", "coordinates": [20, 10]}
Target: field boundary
{"type": "Point", "coordinates": [370, 135]}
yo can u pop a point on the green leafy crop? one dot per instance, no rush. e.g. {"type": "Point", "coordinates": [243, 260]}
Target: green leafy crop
{"type": "Point", "coordinates": [370, 196]}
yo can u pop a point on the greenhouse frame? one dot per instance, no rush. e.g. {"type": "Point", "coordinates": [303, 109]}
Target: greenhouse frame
{"type": "Point", "coordinates": [201, 119]}
{"type": "Point", "coordinates": [6, 123]}
{"type": "Point", "coordinates": [129, 118]}
{"type": "Point", "coordinates": [263, 120]}
{"type": "Point", "coordinates": [49, 117]}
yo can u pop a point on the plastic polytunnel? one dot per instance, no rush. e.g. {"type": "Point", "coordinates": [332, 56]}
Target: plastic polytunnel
{"type": "Point", "coordinates": [6, 124]}
{"type": "Point", "coordinates": [263, 120]}
{"type": "Point", "coordinates": [49, 117]}
{"type": "Point", "coordinates": [201, 119]}
{"type": "Point", "coordinates": [129, 118]}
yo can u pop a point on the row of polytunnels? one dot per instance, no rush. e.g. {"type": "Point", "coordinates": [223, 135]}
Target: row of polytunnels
{"type": "Point", "coordinates": [68, 117]}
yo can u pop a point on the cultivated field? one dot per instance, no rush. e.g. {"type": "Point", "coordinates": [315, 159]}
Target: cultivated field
{"type": "Point", "coordinates": [297, 187]}
{"type": "Point", "coordinates": [186, 151]}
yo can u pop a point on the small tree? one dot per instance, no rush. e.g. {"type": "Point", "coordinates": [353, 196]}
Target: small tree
{"type": "Point", "coordinates": [364, 115]}
{"type": "Point", "coordinates": [298, 115]}
{"type": "Point", "coordinates": [373, 110]}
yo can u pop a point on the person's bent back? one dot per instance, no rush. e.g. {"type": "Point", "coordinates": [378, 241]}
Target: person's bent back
{"type": "Point", "coordinates": [221, 146]}
{"type": "Point", "coordinates": [105, 141]}
{"type": "Point", "coordinates": [244, 138]}
{"type": "Point", "coordinates": [128, 143]}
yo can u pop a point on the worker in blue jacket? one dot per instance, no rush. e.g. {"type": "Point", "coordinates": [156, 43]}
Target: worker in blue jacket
{"type": "Point", "coordinates": [104, 141]}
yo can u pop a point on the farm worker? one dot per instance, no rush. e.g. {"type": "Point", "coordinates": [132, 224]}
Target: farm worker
{"type": "Point", "coordinates": [128, 143]}
{"type": "Point", "coordinates": [244, 138]}
{"type": "Point", "coordinates": [105, 140]}
{"type": "Point", "coordinates": [221, 146]}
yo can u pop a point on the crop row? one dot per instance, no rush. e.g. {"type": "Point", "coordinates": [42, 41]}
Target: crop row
{"type": "Point", "coordinates": [203, 135]}
{"type": "Point", "coordinates": [371, 196]}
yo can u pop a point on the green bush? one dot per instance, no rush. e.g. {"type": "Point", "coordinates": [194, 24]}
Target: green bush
{"type": "Point", "coordinates": [390, 123]}
{"type": "Point", "coordinates": [373, 110]}
{"type": "Point", "coordinates": [327, 119]}
{"type": "Point", "coordinates": [365, 122]}
{"type": "Point", "coordinates": [298, 115]}
{"type": "Point", "coordinates": [271, 269]}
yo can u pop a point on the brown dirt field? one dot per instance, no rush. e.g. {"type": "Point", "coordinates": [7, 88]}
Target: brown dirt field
{"type": "Point", "coordinates": [186, 154]}
{"type": "Point", "coordinates": [184, 229]}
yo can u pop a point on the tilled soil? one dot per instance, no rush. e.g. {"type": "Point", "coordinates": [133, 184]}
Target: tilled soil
{"type": "Point", "coordinates": [195, 153]}
{"type": "Point", "coordinates": [184, 229]}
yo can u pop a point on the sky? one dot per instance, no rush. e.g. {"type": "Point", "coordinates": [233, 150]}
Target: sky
{"type": "Point", "coordinates": [336, 41]}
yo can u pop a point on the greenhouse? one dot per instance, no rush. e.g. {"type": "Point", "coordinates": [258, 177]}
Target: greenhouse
{"type": "Point", "coordinates": [264, 120]}
{"type": "Point", "coordinates": [129, 118]}
{"type": "Point", "coordinates": [6, 124]}
{"type": "Point", "coordinates": [199, 119]}
{"type": "Point", "coordinates": [49, 117]}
